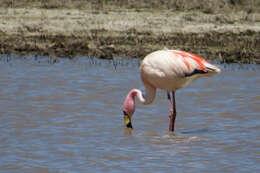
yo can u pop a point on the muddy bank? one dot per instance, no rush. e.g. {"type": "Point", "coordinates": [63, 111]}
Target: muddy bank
{"type": "Point", "coordinates": [225, 47]}
{"type": "Point", "coordinates": [227, 37]}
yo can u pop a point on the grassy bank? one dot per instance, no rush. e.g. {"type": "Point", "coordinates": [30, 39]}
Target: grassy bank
{"type": "Point", "coordinates": [226, 30]}
{"type": "Point", "coordinates": [207, 6]}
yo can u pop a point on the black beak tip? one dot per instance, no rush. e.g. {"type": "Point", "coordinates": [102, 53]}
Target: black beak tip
{"type": "Point", "coordinates": [129, 125]}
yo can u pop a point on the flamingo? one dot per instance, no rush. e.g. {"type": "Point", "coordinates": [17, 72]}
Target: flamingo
{"type": "Point", "coordinates": [168, 70]}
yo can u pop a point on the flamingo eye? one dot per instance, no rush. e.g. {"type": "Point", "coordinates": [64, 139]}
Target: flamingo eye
{"type": "Point", "coordinates": [125, 114]}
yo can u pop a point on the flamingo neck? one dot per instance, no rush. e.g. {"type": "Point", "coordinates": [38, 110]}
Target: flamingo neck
{"type": "Point", "coordinates": [146, 98]}
{"type": "Point", "coordinates": [137, 93]}
{"type": "Point", "coordinates": [129, 103]}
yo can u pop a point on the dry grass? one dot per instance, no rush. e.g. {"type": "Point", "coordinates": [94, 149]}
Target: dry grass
{"type": "Point", "coordinates": [69, 22]}
{"type": "Point", "coordinates": [224, 29]}
{"type": "Point", "coordinates": [206, 6]}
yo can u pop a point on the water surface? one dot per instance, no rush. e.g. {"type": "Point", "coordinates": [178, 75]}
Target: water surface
{"type": "Point", "coordinates": [66, 117]}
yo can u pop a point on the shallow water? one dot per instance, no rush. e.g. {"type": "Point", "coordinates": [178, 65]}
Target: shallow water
{"type": "Point", "coordinates": [66, 117]}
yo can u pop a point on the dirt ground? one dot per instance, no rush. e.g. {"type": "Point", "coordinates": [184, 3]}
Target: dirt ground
{"type": "Point", "coordinates": [220, 30]}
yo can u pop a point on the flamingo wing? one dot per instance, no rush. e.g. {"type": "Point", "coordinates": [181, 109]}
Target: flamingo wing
{"type": "Point", "coordinates": [194, 64]}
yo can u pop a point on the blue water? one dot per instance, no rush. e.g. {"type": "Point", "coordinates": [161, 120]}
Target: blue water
{"type": "Point", "coordinates": [66, 117]}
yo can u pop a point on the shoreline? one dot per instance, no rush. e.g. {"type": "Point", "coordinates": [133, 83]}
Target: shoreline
{"type": "Point", "coordinates": [226, 37]}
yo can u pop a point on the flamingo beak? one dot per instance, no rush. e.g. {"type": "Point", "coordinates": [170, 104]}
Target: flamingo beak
{"type": "Point", "coordinates": [127, 119]}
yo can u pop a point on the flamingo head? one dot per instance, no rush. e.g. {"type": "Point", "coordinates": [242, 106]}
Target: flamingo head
{"type": "Point", "coordinates": [129, 108]}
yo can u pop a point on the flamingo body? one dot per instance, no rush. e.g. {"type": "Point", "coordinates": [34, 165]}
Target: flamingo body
{"type": "Point", "coordinates": [171, 69]}
{"type": "Point", "coordinates": [168, 70]}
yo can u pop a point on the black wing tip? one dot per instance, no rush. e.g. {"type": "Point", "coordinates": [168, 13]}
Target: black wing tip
{"type": "Point", "coordinates": [194, 72]}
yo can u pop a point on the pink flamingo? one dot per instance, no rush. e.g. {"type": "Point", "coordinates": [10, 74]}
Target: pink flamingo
{"type": "Point", "coordinates": [168, 70]}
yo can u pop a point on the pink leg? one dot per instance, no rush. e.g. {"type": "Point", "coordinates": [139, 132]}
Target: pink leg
{"type": "Point", "coordinates": [171, 111]}
{"type": "Point", "coordinates": [172, 107]}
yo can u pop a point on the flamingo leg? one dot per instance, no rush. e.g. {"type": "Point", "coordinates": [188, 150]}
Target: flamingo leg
{"type": "Point", "coordinates": [169, 102]}
{"type": "Point", "coordinates": [171, 110]}
{"type": "Point", "coordinates": [172, 107]}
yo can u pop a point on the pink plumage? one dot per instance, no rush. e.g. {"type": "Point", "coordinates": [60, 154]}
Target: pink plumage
{"type": "Point", "coordinates": [168, 70]}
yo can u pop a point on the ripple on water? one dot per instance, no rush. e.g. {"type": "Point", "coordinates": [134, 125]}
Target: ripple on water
{"type": "Point", "coordinates": [66, 117]}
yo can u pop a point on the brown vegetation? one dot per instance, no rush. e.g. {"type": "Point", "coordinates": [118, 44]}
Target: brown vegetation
{"type": "Point", "coordinates": [207, 6]}
{"type": "Point", "coordinates": [226, 30]}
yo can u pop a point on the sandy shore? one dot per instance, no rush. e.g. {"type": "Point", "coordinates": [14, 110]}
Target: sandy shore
{"type": "Point", "coordinates": [227, 37]}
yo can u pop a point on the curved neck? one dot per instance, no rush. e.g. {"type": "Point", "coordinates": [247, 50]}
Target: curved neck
{"type": "Point", "coordinates": [129, 103]}
{"type": "Point", "coordinates": [147, 98]}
